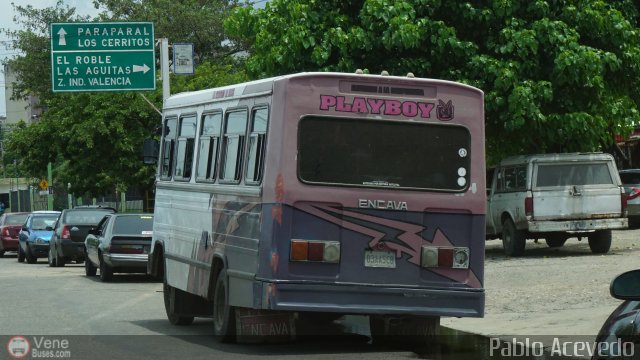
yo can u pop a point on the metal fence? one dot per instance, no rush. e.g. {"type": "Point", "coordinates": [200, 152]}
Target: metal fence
{"type": "Point", "coordinates": [32, 200]}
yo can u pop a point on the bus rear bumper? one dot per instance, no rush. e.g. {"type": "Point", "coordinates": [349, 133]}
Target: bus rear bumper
{"type": "Point", "coordinates": [360, 299]}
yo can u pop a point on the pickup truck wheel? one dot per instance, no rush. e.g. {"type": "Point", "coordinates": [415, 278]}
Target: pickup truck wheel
{"type": "Point", "coordinates": [554, 241]}
{"type": "Point", "coordinates": [600, 241]}
{"type": "Point", "coordinates": [513, 240]}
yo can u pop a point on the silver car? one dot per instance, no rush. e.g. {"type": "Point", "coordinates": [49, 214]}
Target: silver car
{"type": "Point", "coordinates": [120, 243]}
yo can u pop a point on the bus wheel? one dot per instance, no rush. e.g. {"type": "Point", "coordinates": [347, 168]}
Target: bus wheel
{"type": "Point", "coordinates": [223, 313]}
{"type": "Point", "coordinates": [170, 295]}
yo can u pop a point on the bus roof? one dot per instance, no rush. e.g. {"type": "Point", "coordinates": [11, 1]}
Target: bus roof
{"type": "Point", "coordinates": [265, 86]}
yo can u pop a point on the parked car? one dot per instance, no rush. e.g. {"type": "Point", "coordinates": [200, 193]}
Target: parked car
{"type": "Point", "coordinates": [72, 227]}
{"type": "Point", "coordinates": [619, 337]}
{"type": "Point", "coordinates": [555, 197]}
{"type": "Point", "coordinates": [35, 235]}
{"type": "Point", "coordinates": [10, 224]}
{"type": "Point", "coordinates": [120, 243]}
{"type": "Point", "coordinates": [631, 182]}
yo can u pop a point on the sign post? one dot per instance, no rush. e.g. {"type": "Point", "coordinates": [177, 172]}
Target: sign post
{"type": "Point", "coordinates": [114, 56]}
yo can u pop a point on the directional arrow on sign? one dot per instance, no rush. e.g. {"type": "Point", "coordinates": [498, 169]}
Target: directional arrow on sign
{"type": "Point", "coordinates": [62, 40]}
{"type": "Point", "coordinates": [144, 68]}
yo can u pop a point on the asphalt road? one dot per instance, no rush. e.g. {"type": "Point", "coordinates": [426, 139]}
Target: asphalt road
{"type": "Point", "coordinates": [125, 319]}
{"type": "Point", "coordinates": [561, 291]}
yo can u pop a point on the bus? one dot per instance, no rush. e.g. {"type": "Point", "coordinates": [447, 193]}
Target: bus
{"type": "Point", "coordinates": [322, 194]}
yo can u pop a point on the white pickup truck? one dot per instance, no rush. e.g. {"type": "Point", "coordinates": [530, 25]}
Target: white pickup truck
{"type": "Point", "coordinates": [555, 197]}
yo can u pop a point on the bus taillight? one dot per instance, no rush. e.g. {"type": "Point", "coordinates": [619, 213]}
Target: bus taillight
{"type": "Point", "coordinates": [315, 250]}
{"type": "Point", "coordinates": [445, 257]}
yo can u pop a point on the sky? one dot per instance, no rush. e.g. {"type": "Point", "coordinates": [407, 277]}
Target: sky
{"type": "Point", "coordinates": [83, 7]}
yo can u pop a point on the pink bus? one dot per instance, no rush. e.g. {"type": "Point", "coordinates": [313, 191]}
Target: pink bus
{"type": "Point", "coordinates": [322, 193]}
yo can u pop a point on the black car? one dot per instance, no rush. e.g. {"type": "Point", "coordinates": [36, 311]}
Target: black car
{"type": "Point", "coordinates": [72, 227]}
{"type": "Point", "coordinates": [120, 243]}
{"type": "Point", "coordinates": [619, 337]}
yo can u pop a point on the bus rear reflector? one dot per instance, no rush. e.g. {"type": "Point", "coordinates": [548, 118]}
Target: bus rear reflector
{"type": "Point", "coordinates": [315, 251]}
{"type": "Point", "coordinates": [445, 257]}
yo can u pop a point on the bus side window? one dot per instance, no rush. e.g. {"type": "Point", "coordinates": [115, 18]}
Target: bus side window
{"type": "Point", "coordinates": [169, 134]}
{"type": "Point", "coordinates": [209, 140]}
{"type": "Point", "coordinates": [235, 128]}
{"type": "Point", "coordinates": [186, 144]}
{"type": "Point", "coordinates": [257, 141]}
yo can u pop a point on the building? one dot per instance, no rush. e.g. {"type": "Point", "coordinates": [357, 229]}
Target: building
{"type": "Point", "coordinates": [27, 110]}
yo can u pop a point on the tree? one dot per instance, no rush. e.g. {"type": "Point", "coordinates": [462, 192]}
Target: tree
{"type": "Point", "coordinates": [557, 75]}
{"type": "Point", "coordinates": [95, 139]}
{"type": "Point", "coordinates": [196, 21]}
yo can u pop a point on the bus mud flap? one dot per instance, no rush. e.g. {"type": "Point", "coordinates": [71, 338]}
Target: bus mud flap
{"type": "Point", "coordinates": [262, 326]}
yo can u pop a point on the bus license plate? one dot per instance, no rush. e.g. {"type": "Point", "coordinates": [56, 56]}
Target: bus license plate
{"type": "Point", "coordinates": [383, 259]}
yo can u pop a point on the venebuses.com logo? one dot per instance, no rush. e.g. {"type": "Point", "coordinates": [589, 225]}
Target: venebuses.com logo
{"type": "Point", "coordinates": [38, 347]}
{"type": "Point", "coordinates": [18, 347]}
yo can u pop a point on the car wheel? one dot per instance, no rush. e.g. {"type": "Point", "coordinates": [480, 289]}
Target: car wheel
{"type": "Point", "coordinates": [170, 295]}
{"type": "Point", "coordinates": [59, 260]}
{"type": "Point", "coordinates": [513, 240]}
{"type": "Point", "coordinates": [89, 268]}
{"type": "Point", "coordinates": [31, 259]}
{"type": "Point", "coordinates": [106, 272]}
{"type": "Point", "coordinates": [20, 254]}
{"type": "Point", "coordinates": [600, 241]}
{"type": "Point", "coordinates": [50, 259]}
{"type": "Point", "coordinates": [223, 314]}
{"type": "Point", "coordinates": [554, 241]}
{"type": "Point", "coordinates": [1, 253]}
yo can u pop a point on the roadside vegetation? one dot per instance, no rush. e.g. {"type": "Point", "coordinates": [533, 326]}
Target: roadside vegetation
{"type": "Point", "coordinates": [557, 75]}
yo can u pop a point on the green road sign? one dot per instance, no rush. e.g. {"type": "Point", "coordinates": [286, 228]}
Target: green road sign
{"type": "Point", "coordinates": [114, 56]}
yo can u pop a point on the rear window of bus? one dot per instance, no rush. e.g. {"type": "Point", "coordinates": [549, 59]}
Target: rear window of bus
{"type": "Point", "coordinates": [378, 153]}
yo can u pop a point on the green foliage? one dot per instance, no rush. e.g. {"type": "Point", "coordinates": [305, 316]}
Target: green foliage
{"type": "Point", "coordinates": [95, 139]}
{"type": "Point", "coordinates": [557, 75]}
{"type": "Point", "coordinates": [196, 21]}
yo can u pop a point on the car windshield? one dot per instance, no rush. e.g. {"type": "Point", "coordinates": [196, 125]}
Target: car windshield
{"type": "Point", "coordinates": [41, 222]}
{"type": "Point", "coordinates": [15, 219]}
{"type": "Point", "coordinates": [573, 174]}
{"type": "Point", "coordinates": [85, 217]}
{"type": "Point", "coordinates": [133, 224]}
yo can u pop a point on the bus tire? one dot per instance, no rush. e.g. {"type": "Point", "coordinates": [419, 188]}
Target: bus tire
{"type": "Point", "coordinates": [513, 240]}
{"type": "Point", "coordinates": [170, 294]}
{"type": "Point", "coordinates": [600, 242]}
{"type": "Point", "coordinates": [224, 322]}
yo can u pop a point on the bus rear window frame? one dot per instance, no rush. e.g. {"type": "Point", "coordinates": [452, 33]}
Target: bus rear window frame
{"type": "Point", "coordinates": [399, 188]}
